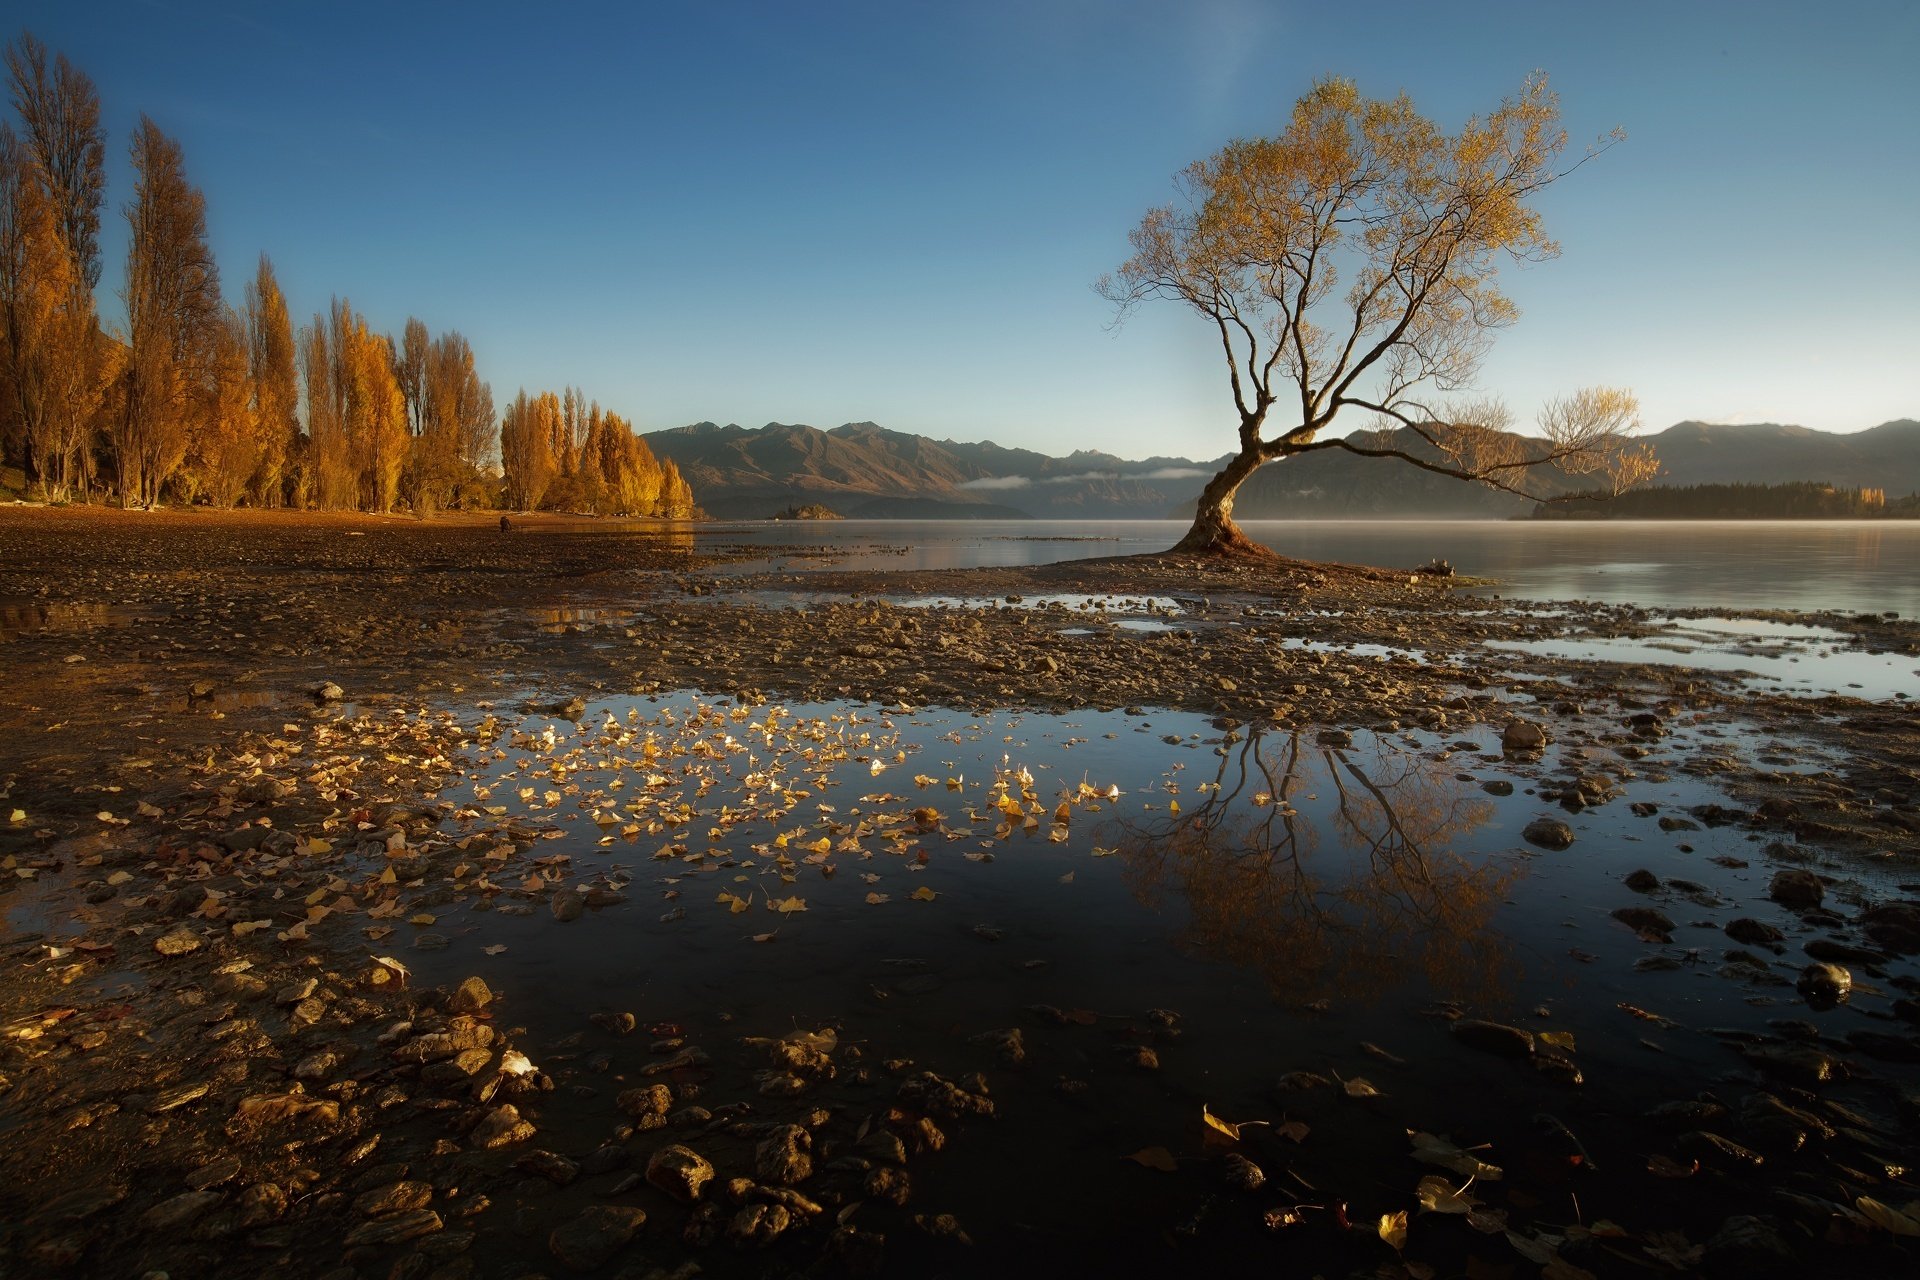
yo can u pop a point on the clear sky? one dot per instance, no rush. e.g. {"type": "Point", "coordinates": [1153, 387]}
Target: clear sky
{"type": "Point", "coordinates": [824, 212]}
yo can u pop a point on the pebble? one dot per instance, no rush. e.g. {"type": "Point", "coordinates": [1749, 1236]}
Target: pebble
{"type": "Point", "coordinates": [681, 1172]}
{"type": "Point", "coordinates": [179, 941]}
{"type": "Point", "coordinates": [1796, 888]}
{"type": "Point", "coordinates": [1494, 1037]}
{"type": "Point", "coordinates": [589, 1240]}
{"type": "Point", "coordinates": [1548, 833]}
{"type": "Point", "coordinates": [500, 1127]}
{"type": "Point", "coordinates": [394, 1228]}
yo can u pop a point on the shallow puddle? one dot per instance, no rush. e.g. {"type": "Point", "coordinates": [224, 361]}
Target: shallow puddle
{"type": "Point", "coordinates": [1238, 906]}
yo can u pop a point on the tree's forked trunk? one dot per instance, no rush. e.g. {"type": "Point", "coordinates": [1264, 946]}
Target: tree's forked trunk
{"type": "Point", "coordinates": [1213, 531]}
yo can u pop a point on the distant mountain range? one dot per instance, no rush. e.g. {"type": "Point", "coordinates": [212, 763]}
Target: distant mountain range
{"type": "Point", "coordinates": [866, 471]}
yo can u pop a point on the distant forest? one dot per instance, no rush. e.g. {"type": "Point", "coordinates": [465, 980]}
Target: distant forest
{"type": "Point", "coordinates": [1799, 500]}
{"type": "Point", "coordinates": [202, 399]}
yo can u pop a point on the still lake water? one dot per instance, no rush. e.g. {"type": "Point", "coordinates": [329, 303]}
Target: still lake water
{"type": "Point", "coordinates": [1847, 565]}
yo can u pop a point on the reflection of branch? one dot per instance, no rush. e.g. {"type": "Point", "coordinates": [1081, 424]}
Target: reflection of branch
{"type": "Point", "coordinates": [1257, 893]}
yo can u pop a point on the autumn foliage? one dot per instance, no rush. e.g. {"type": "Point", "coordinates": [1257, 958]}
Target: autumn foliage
{"type": "Point", "coordinates": [197, 400]}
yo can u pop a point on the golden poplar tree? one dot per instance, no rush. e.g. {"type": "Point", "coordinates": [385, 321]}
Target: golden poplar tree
{"type": "Point", "coordinates": [275, 383]}
{"type": "Point", "coordinates": [173, 317]}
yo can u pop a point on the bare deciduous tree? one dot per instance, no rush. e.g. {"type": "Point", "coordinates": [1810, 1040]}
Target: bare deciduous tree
{"type": "Point", "coordinates": [1417, 222]}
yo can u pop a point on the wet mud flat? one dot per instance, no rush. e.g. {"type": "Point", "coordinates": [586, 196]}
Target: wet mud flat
{"type": "Point", "coordinates": [594, 929]}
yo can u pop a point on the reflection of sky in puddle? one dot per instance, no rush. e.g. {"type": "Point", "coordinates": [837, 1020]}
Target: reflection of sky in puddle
{"type": "Point", "coordinates": [1356, 649]}
{"type": "Point", "coordinates": [1381, 874]}
{"type": "Point", "coordinates": [21, 619]}
{"type": "Point", "coordinates": [1782, 657]}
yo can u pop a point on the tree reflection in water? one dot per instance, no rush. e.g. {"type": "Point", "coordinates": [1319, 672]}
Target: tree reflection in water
{"type": "Point", "coordinates": [1397, 900]}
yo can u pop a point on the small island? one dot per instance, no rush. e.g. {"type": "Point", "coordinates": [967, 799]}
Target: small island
{"type": "Point", "coordinates": [811, 511]}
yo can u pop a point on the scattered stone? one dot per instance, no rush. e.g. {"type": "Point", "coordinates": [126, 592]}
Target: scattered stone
{"type": "Point", "coordinates": [551, 1165]}
{"type": "Point", "coordinates": [568, 905]}
{"type": "Point", "coordinates": [1642, 881]}
{"type": "Point", "coordinates": [648, 1102]}
{"type": "Point", "coordinates": [178, 941]}
{"type": "Point", "coordinates": [1796, 889]}
{"type": "Point", "coordinates": [1242, 1174]}
{"type": "Point", "coordinates": [1646, 921]}
{"type": "Point", "coordinates": [1494, 1037]}
{"type": "Point", "coordinates": [500, 1127]}
{"type": "Point", "coordinates": [758, 1225]}
{"type": "Point", "coordinates": [782, 1157]}
{"type": "Point", "coordinates": [1548, 833]}
{"type": "Point", "coordinates": [1523, 736]}
{"type": "Point", "coordinates": [179, 1211]}
{"type": "Point", "coordinates": [394, 1197]}
{"type": "Point", "coordinates": [473, 996]}
{"type": "Point", "coordinates": [1755, 933]}
{"type": "Point", "coordinates": [395, 1228]}
{"type": "Point", "coordinates": [681, 1172]}
{"type": "Point", "coordinates": [327, 691]}
{"type": "Point", "coordinates": [591, 1239]}
{"type": "Point", "coordinates": [1825, 985]}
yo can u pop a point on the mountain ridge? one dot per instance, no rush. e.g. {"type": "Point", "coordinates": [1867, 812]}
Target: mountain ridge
{"type": "Point", "coordinates": [863, 468]}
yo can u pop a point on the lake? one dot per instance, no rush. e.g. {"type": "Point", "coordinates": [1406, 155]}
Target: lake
{"type": "Point", "coordinates": [1846, 565]}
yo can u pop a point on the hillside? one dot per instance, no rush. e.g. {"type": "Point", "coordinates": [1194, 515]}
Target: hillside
{"type": "Point", "coordinates": [867, 471]}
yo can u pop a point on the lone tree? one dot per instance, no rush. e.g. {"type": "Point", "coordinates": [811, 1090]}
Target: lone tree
{"type": "Point", "coordinates": [1418, 222]}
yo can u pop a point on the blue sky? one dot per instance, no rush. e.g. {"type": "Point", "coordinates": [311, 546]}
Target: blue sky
{"type": "Point", "coordinates": [821, 212]}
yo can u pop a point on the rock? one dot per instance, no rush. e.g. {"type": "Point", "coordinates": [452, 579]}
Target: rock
{"type": "Point", "coordinates": [1749, 1248]}
{"type": "Point", "coordinates": [472, 997]}
{"type": "Point", "coordinates": [940, 1097]}
{"type": "Point", "coordinates": [1825, 985]}
{"type": "Point", "coordinates": [681, 1172]}
{"type": "Point", "coordinates": [395, 1228]}
{"type": "Point", "coordinates": [327, 691]}
{"type": "Point", "coordinates": [1522, 736]}
{"type": "Point", "coordinates": [1894, 926]}
{"type": "Point", "coordinates": [758, 1225]}
{"type": "Point", "coordinates": [499, 1128]}
{"type": "Point", "coordinates": [318, 1065]}
{"type": "Point", "coordinates": [1646, 920]}
{"type": "Point", "coordinates": [1497, 787]}
{"type": "Point", "coordinates": [1797, 889]}
{"type": "Point", "coordinates": [551, 1165]}
{"type": "Point", "coordinates": [889, 1184]}
{"type": "Point", "coordinates": [590, 1239]}
{"type": "Point", "coordinates": [179, 1211]}
{"type": "Point", "coordinates": [178, 941]}
{"type": "Point", "coordinates": [567, 905]}
{"type": "Point", "coordinates": [1642, 881]}
{"type": "Point", "coordinates": [1801, 1063]}
{"type": "Point", "coordinates": [1754, 933]}
{"type": "Point", "coordinates": [394, 1197]}
{"type": "Point", "coordinates": [649, 1101]}
{"type": "Point", "coordinates": [1712, 1149]}
{"type": "Point", "coordinates": [1242, 1174]}
{"type": "Point", "coordinates": [782, 1157]}
{"type": "Point", "coordinates": [1007, 1042]}
{"type": "Point", "coordinates": [1548, 833]}
{"type": "Point", "coordinates": [214, 1174]}
{"type": "Point", "coordinates": [1494, 1037]}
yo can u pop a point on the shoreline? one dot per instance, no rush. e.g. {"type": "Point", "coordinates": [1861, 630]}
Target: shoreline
{"type": "Point", "coordinates": [193, 698]}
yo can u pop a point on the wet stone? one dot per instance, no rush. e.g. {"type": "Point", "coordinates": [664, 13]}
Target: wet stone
{"type": "Point", "coordinates": [1548, 833]}
{"type": "Point", "coordinates": [681, 1172]}
{"type": "Point", "coordinates": [1749, 1247]}
{"type": "Point", "coordinates": [1642, 881]}
{"type": "Point", "coordinates": [394, 1197]}
{"type": "Point", "coordinates": [1645, 920]}
{"type": "Point", "coordinates": [1825, 985]}
{"type": "Point", "coordinates": [177, 942]}
{"type": "Point", "coordinates": [591, 1239]}
{"type": "Point", "coordinates": [647, 1100]}
{"type": "Point", "coordinates": [783, 1156]}
{"type": "Point", "coordinates": [180, 1211]}
{"type": "Point", "coordinates": [1796, 888]}
{"type": "Point", "coordinates": [1494, 1037]}
{"type": "Point", "coordinates": [1754, 933]}
{"type": "Point", "coordinates": [551, 1165]}
{"type": "Point", "coordinates": [395, 1228]}
{"type": "Point", "coordinates": [1522, 736]}
{"type": "Point", "coordinates": [567, 905]}
{"type": "Point", "coordinates": [472, 996]}
{"type": "Point", "coordinates": [499, 1128]}
{"type": "Point", "coordinates": [1242, 1174]}
{"type": "Point", "coordinates": [758, 1225]}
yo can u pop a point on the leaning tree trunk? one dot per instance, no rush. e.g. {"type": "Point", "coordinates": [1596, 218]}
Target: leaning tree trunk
{"type": "Point", "coordinates": [1213, 531]}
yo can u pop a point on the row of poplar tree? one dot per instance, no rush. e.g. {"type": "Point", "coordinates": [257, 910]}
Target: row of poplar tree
{"type": "Point", "coordinates": [200, 401]}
